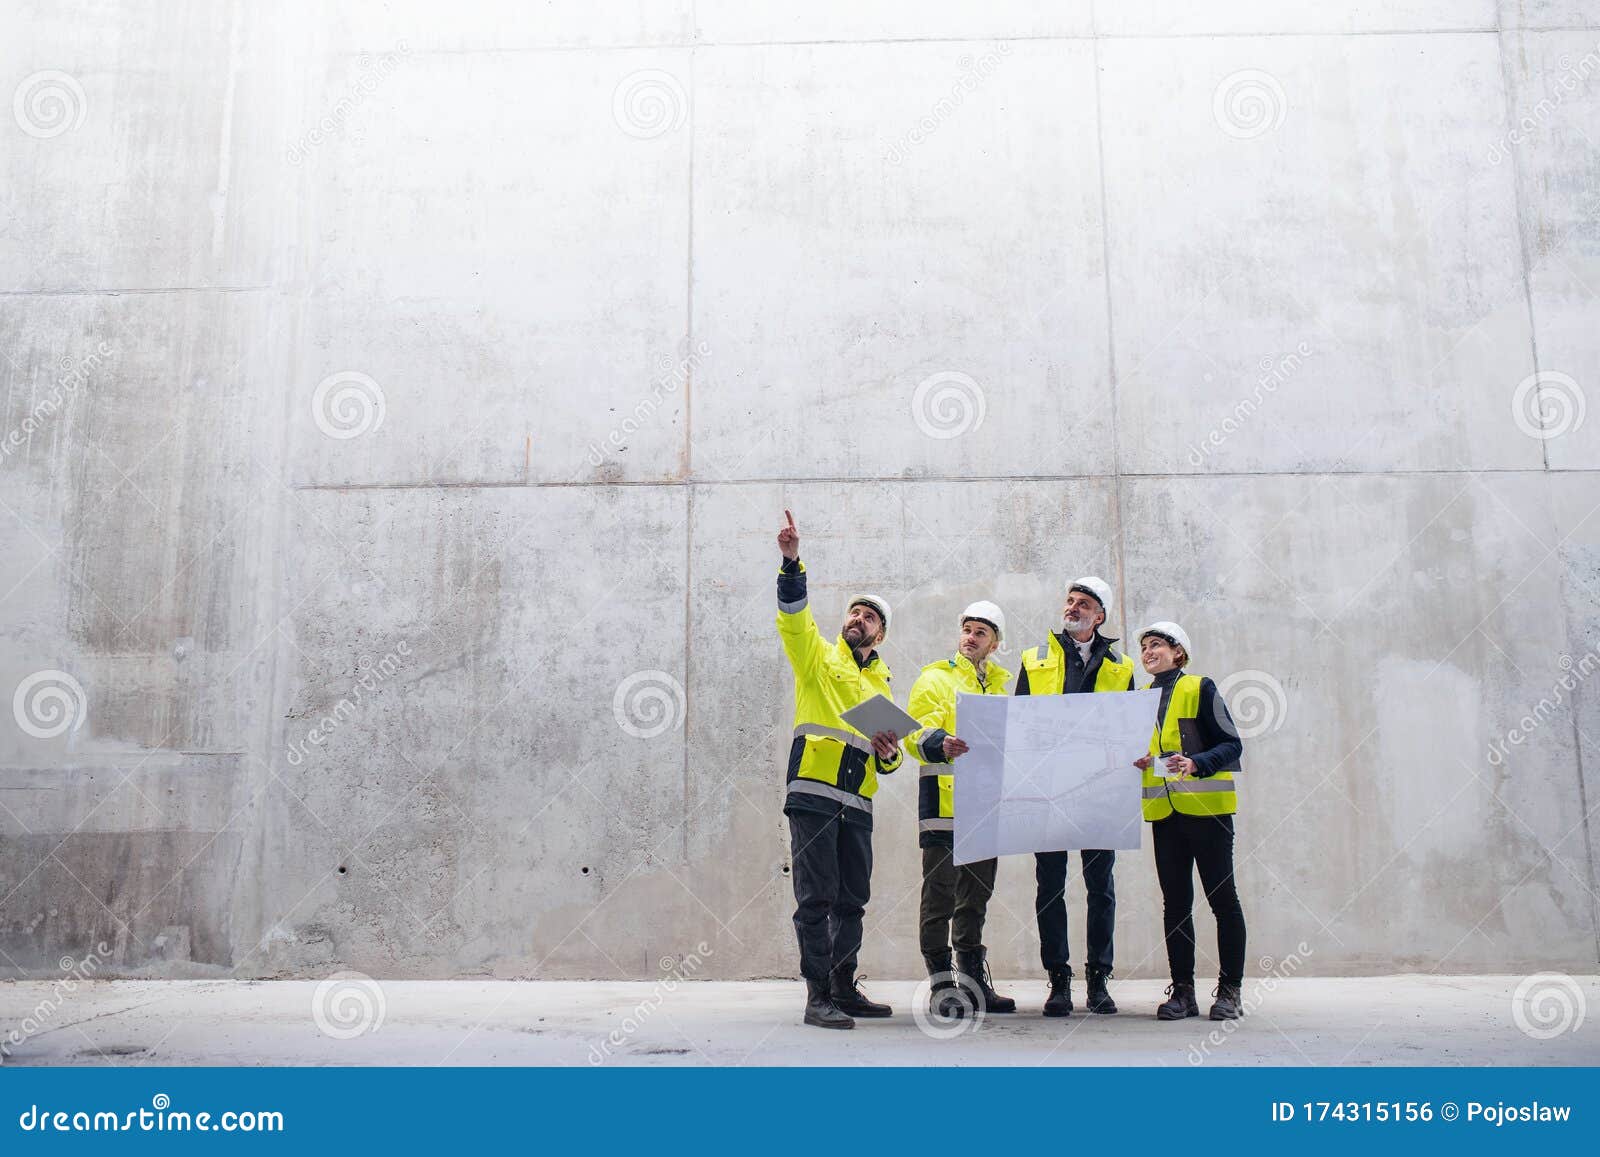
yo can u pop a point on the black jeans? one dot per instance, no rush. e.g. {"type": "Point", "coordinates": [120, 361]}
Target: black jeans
{"type": "Point", "coordinates": [1182, 844]}
{"type": "Point", "coordinates": [831, 861]}
{"type": "Point", "coordinates": [1050, 879]}
{"type": "Point", "coordinates": [953, 895]}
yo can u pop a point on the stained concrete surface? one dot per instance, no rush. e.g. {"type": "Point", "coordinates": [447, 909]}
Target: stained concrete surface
{"type": "Point", "coordinates": [1383, 1020]}
{"type": "Point", "coordinates": [967, 287]}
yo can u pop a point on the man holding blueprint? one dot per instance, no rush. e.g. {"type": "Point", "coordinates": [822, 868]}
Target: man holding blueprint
{"type": "Point", "coordinates": [1078, 659]}
{"type": "Point", "coordinates": [832, 776]}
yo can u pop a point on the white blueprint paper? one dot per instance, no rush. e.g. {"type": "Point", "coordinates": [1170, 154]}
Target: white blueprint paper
{"type": "Point", "coordinates": [1048, 773]}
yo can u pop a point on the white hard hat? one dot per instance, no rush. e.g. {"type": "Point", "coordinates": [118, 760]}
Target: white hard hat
{"type": "Point", "coordinates": [988, 613]}
{"type": "Point", "coordinates": [877, 603]}
{"type": "Point", "coordinates": [1094, 585]}
{"type": "Point", "coordinates": [1171, 632]}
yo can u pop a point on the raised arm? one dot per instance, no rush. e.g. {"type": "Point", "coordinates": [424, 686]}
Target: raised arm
{"type": "Point", "coordinates": [797, 629]}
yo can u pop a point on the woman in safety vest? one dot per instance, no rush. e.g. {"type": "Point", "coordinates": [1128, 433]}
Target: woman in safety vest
{"type": "Point", "coordinates": [1189, 800]}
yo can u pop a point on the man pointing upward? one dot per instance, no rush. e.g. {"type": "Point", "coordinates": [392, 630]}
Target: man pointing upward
{"type": "Point", "coordinates": [832, 776]}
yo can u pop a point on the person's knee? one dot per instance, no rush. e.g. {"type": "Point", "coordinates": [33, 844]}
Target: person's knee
{"type": "Point", "coordinates": [812, 911]}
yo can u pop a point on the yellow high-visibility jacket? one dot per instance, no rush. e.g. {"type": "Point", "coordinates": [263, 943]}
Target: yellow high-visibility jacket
{"type": "Point", "coordinates": [1045, 668]}
{"type": "Point", "coordinates": [830, 764]}
{"type": "Point", "coordinates": [1211, 791]}
{"type": "Point", "coordinates": [933, 703]}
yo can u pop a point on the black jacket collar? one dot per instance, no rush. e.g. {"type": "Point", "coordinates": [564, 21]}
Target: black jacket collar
{"type": "Point", "coordinates": [1098, 645]}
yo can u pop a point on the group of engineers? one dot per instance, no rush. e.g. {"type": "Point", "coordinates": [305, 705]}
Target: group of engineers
{"type": "Point", "coordinates": [1188, 797]}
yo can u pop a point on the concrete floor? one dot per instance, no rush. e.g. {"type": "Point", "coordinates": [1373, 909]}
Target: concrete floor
{"type": "Point", "coordinates": [1368, 1021]}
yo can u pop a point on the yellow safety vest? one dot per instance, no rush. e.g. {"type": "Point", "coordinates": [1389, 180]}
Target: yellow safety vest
{"type": "Point", "coordinates": [1215, 795]}
{"type": "Point", "coordinates": [933, 703]}
{"type": "Point", "coordinates": [827, 757]}
{"type": "Point", "coordinates": [1046, 667]}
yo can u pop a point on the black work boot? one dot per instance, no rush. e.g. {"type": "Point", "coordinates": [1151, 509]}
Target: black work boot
{"type": "Point", "coordinates": [820, 1009]}
{"type": "Point", "coordinates": [974, 966]}
{"type": "Point", "coordinates": [1226, 1006]}
{"type": "Point", "coordinates": [850, 1000]}
{"type": "Point", "coordinates": [1099, 999]}
{"type": "Point", "coordinates": [1180, 1003]}
{"type": "Point", "coordinates": [944, 1000]}
{"type": "Point", "coordinates": [1059, 1002]}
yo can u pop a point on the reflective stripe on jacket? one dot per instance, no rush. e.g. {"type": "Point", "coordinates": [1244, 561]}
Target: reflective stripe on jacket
{"type": "Point", "coordinates": [1045, 668]}
{"type": "Point", "coordinates": [829, 762]}
{"type": "Point", "coordinates": [1211, 795]}
{"type": "Point", "coordinates": [933, 703]}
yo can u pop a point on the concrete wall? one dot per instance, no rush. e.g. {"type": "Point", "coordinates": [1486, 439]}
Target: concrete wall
{"type": "Point", "coordinates": [446, 375]}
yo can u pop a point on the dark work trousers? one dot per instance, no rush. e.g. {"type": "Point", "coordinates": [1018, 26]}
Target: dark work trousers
{"type": "Point", "coordinates": [1182, 844]}
{"type": "Point", "coordinates": [954, 898]}
{"type": "Point", "coordinates": [1050, 906]}
{"type": "Point", "coordinates": [831, 861]}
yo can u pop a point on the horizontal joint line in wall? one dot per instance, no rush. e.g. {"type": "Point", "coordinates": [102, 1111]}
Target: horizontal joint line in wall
{"type": "Point", "coordinates": [939, 478]}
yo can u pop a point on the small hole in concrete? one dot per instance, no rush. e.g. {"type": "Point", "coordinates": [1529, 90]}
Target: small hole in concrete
{"type": "Point", "coordinates": [585, 871]}
{"type": "Point", "coordinates": [342, 869]}
{"type": "Point", "coordinates": [786, 869]}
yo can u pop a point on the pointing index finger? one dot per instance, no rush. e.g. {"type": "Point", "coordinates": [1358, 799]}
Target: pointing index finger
{"type": "Point", "coordinates": [790, 517]}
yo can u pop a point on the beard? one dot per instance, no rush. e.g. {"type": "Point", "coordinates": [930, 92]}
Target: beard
{"type": "Point", "coordinates": [854, 635]}
{"type": "Point", "coordinates": [1076, 627]}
